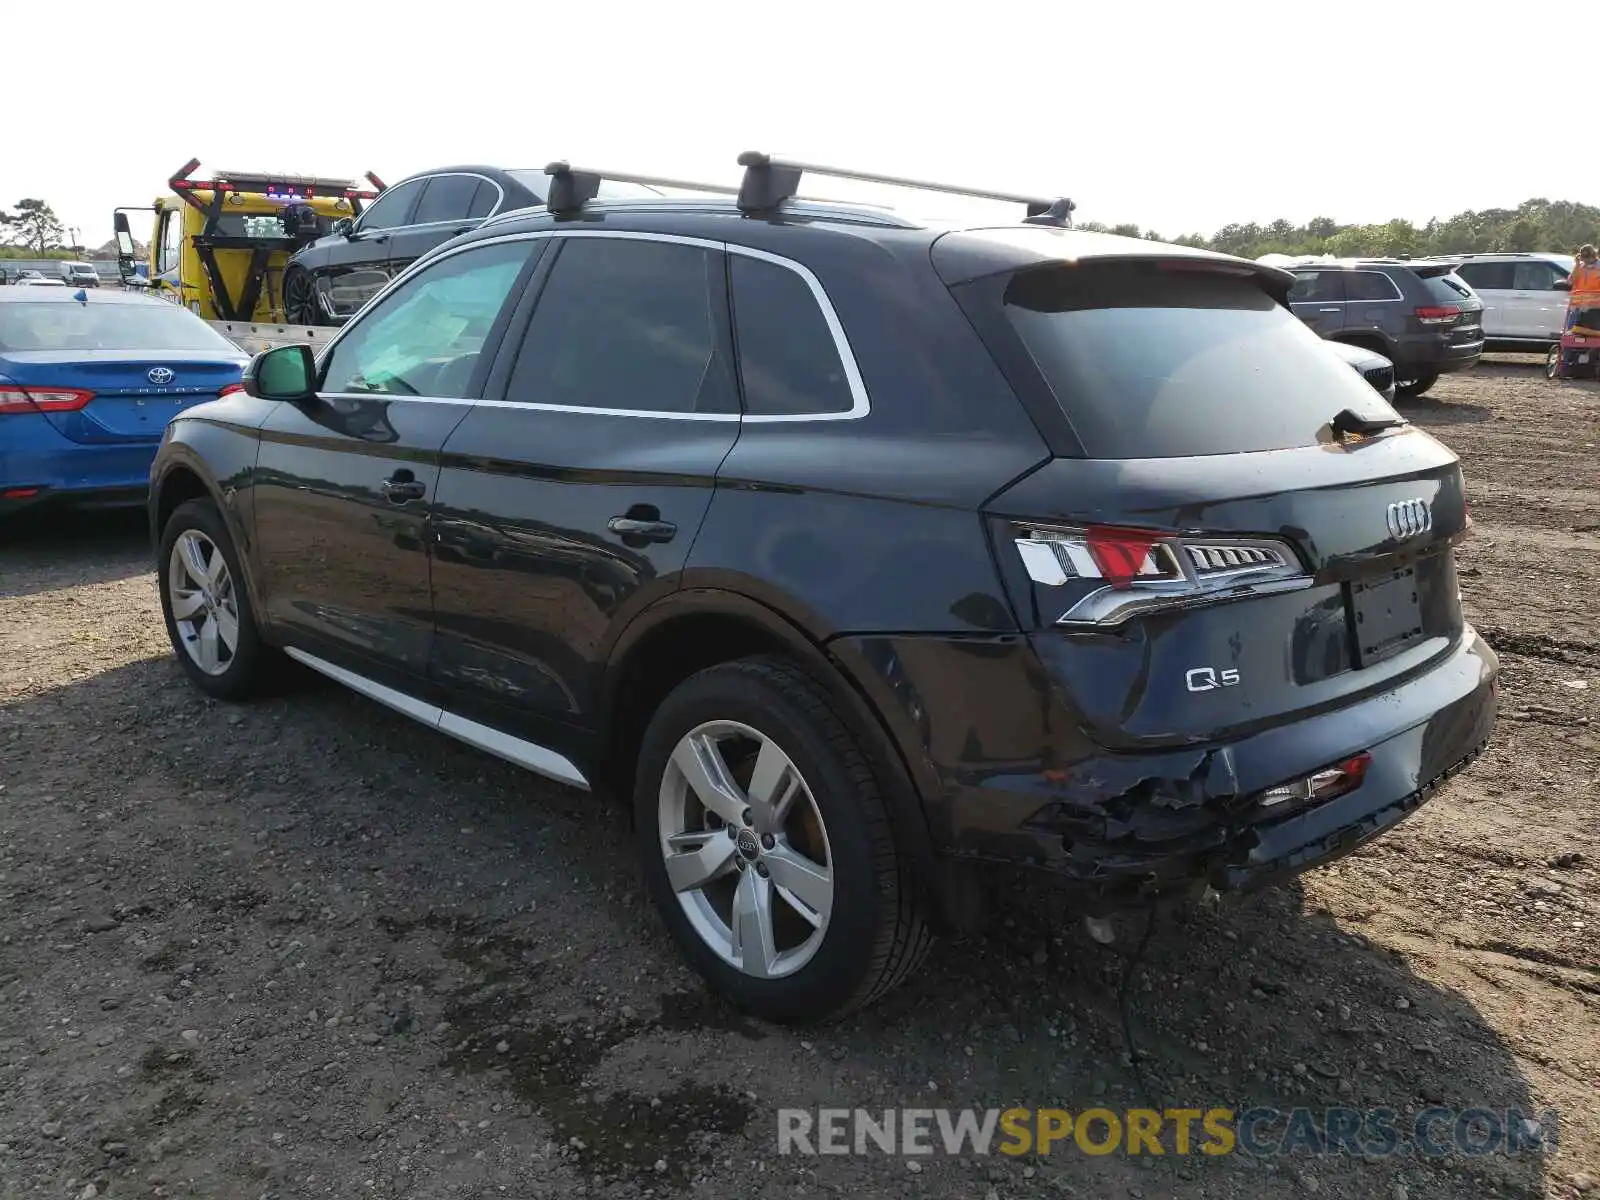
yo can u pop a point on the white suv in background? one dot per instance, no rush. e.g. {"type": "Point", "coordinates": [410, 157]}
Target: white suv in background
{"type": "Point", "coordinates": [1524, 296]}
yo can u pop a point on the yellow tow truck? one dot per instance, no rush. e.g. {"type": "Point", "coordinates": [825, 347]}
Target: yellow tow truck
{"type": "Point", "coordinates": [218, 246]}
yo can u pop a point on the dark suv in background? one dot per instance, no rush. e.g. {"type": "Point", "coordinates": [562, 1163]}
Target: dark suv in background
{"type": "Point", "coordinates": [856, 555]}
{"type": "Point", "coordinates": [327, 282]}
{"type": "Point", "coordinates": [1420, 315]}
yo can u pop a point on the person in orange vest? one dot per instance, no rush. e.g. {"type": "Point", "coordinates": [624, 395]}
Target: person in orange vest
{"type": "Point", "coordinates": [1583, 296]}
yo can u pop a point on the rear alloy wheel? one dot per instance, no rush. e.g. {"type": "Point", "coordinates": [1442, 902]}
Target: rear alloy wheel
{"type": "Point", "coordinates": [207, 609]}
{"type": "Point", "coordinates": [767, 846]}
{"type": "Point", "coordinates": [1414, 383]}
{"type": "Point", "coordinates": [299, 298]}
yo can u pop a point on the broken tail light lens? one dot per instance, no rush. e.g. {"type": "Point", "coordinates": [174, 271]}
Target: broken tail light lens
{"type": "Point", "coordinates": [1337, 780]}
{"type": "Point", "coordinates": [35, 400]}
{"type": "Point", "coordinates": [1143, 570]}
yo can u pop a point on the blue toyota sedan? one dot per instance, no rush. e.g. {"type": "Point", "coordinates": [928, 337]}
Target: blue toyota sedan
{"type": "Point", "coordinates": [88, 382]}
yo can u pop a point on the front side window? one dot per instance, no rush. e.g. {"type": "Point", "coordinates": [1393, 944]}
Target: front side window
{"type": "Point", "coordinates": [1536, 276]}
{"type": "Point", "coordinates": [626, 325]}
{"type": "Point", "coordinates": [424, 338]}
{"type": "Point", "coordinates": [171, 241]}
{"type": "Point", "coordinates": [789, 362]}
{"type": "Point", "coordinates": [393, 208]}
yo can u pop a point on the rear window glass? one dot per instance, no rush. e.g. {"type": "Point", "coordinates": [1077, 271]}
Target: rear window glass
{"type": "Point", "coordinates": [1449, 288]}
{"type": "Point", "coordinates": [95, 326]}
{"type": "Point", "coordinates": [1152, 363]}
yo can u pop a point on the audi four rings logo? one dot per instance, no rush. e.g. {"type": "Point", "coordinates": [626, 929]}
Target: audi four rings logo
{"type": "Point", "coordinates": [160, 376]}
{"type": "Point", "coordinates": [1409, 518]}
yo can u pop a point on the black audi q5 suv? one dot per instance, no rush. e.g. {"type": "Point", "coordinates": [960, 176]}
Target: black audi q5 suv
{"type": "Point", "coordinates": [857, 554]}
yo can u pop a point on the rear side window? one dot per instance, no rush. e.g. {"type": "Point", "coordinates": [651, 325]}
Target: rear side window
{"type": "Point", "coordinates": [1496, 276]}
{"type": "Point", "coordinates": [1370, 285]}
{"type": "Point", "coordinates": [789, 362]}
{"type": "Point", "coordinates": [1166, 363]}
{"type": "Point", "coordinates": [628, 326]}
{"type": "Point", "coordinates": [447, 198]}
{"type": "Point", "coordinates": [1536, 275]}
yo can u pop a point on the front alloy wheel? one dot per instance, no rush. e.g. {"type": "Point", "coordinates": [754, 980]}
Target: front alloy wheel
{"type": "Point", "coordinates": [746, 849]}
{"type": "Point", "coordinates": [205, 607]}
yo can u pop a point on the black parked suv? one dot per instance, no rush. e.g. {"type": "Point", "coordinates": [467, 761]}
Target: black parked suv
{"type": "Point", "coordinates": [1421, 315]}
{"type": "Point", "coordinates": [328, 281]}
{"type": "Point", "coordinates": [856, 555]}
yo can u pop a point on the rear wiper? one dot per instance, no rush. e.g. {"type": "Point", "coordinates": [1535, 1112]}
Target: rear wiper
{"type": "Point", "coordinates": [1350, 421]}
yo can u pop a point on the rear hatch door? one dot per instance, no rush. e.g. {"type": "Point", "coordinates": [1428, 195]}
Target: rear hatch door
{"type": "Point", "coordinates": [1235, 528]}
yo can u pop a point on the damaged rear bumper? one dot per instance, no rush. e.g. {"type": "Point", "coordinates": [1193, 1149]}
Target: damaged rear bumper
{"type": "Point", "coordinates": [1008, 778]}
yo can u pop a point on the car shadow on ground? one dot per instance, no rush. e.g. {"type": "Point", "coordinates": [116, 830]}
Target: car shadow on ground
{"type": "Point", "coordinates": [1431, 412]}
{"type": "Point", "coordinates": [56, 550]}
{"type": "Point", "coordinates": [489, 936]}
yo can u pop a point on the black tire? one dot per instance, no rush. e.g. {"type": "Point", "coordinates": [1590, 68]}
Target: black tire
{"type": "Point", "coordinates": [251, 664]}
{"type": "Point", "coordinates": [876, 935]}
{"type": "Point", "coordinates": [299, 298]}
{"type": "Point", "coordinates": [1414, 383]}
{"type": "Point", "coordinates": [1552, 363]}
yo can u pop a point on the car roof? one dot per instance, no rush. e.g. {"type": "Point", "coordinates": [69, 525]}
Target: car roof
{"type": "Point", "coordinates": [961, 252]}
{"type": "Point", "coordinates": [67, 295]}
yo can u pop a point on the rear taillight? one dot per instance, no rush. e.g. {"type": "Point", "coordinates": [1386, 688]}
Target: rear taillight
{"type": "Point", "coordinates": [1437, 314]}
{"type": "Point", "coordinates": [1144, 570]}
{"type": "Point", "coordinates": [33, 400]}
{"type": "Point", "coordinates": [228, 389]}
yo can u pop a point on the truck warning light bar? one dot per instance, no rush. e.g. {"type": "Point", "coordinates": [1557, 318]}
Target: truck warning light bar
{"type": "Point", "coordinates": [277, 187]}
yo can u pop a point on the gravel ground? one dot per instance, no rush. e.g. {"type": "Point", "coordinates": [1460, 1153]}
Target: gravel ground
{"type": "Point", "coordinates": [302, 948]}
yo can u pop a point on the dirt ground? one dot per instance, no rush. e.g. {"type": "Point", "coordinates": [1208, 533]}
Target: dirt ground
{"type": "Point", "coordinates": [304, 948]}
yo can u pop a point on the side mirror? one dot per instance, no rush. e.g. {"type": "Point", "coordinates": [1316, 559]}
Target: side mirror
{"type": "Point", "coordinates": [345, 227]}
{"type": "Point", "coordinates": [1562, 285]}
{"type": "Point", "coordinates": [282, 373]}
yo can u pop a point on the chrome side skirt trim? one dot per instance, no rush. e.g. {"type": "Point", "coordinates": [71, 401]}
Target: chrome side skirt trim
{"type": "Point", "coordinates": [528, 755]}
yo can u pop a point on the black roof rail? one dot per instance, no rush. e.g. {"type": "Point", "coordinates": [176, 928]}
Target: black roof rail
{"type": "Point", "coordinates": [769, 181]}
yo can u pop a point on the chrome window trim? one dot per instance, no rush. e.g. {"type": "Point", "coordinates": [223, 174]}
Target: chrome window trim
{"type": "Point", "coordinates": [499, 199]}
{"type": "Point", "coordinates": [861, 404]}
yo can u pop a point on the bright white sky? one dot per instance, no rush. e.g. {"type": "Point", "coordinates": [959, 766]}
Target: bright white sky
{"type": "Point", "coordinates": [1181, 118]}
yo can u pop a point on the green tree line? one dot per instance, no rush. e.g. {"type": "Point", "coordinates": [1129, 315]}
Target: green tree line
{"type": "Point", "coordinates": [1552, 225]}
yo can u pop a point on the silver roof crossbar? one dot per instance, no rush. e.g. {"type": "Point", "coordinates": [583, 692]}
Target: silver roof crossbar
{"type": "Point", "coordinates": [768, 182]}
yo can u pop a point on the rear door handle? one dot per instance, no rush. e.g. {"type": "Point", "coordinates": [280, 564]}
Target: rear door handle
{"type": "Point", "coordinates": [631, 528]}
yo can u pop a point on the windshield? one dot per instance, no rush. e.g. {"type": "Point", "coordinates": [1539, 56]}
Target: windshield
{"type": "Point", "coordinates": [1158, 362]}
{"type": "Point", "coordinates": [157, 328]}
{"type": "Point", "coordinates": [538, 183]}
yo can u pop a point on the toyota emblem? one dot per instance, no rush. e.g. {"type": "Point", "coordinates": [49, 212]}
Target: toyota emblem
{"type": "Point", "coordinates": [160, 376]}
{"type": "Point", "coordinates": [1408, 518]}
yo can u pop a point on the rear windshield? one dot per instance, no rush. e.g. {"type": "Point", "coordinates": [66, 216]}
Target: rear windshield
{"type": "Point", "coordinates": [1151, 362]}
{"type": "Point", "coordinates": [1449, 288]}
{"type": "Point", "coordinates": [158, 328]}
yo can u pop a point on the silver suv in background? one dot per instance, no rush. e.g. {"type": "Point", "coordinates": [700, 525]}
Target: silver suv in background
{"type": "Point", "coordinates": [1524, 296]}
